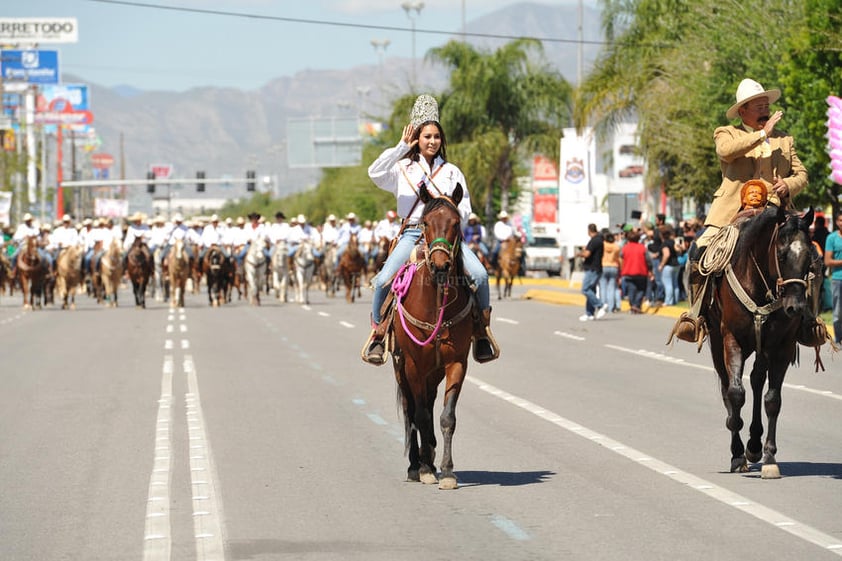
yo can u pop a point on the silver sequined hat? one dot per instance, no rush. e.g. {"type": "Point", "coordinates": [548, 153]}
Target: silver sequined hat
{"type": "Point", "coordinates": [426, 108]}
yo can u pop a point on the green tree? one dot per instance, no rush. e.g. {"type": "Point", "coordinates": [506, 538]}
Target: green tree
{"type": "Point", "coordinates": [499, 110]}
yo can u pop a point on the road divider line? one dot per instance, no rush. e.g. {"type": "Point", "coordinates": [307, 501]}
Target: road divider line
{"type": "Point", "coordinates": [768, 515]}
{"type": "Point", "coordinates": [681, 362]}
{"type": "Point", "coordinates": [157, 538]}
{"type": "Point", "coordinates": [207, 510]}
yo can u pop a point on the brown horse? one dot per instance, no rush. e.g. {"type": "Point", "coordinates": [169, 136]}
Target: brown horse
{"type": "Point", "coordinates": [508, 265]}
{"type": "Point", "coordinates": [431, 324]}
{"type": "Point", "coordinates": [69, 275]}
{"type": "Point", "coordinates": [140, 268]}
{"type": "Point", "coordinates": [757, 309]}
{"type": "Point", "coordinates": [5, 270]}
{"type": "Point", "coordinates": [31, 270]}
{"type": "Point", "coordinates": [179, 270]}
{"type": "Point", "coordinates": [351, 269]}
{"type": "Point", "coordinates": [111, 269]}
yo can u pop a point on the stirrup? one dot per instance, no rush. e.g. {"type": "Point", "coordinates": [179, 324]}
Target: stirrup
{"type": "Point", "coordinates": [690, 328]}
{"type": "Point", "coordinates": [369, 353]}
{"type": "Point", "coordinates": [485, 348]}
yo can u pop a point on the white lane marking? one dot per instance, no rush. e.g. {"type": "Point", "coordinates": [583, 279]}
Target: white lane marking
{"type": "Point", "coordinates": [169, 328]}
{"type": "Point", "coordinates": [768, 515]}
{"type": "Point", "coordinates": [509, 527]}
{"type": "Point", "coordinates": [168, 344]}
{"type": "Point", "coordinates": [347, 324]}
{"type": "Point", "coordinates": [185, 344]}
{"type": "Point", "coordinates": [569, 335]}
{"type": "Point", "coordinates": [681, 362]}
{"type": "Point", "coordinates": [507, 320]}
{"type": "Point", "coordinates": [306, 307]}
{"type": "Point", "coordinates": [182, 328]}
{"type": "Point", "coordinates": [207, 510]}
{"type": "Point", "coordinates": [157, 541]}
{"type": "Point", "coordinates": [324, 314]}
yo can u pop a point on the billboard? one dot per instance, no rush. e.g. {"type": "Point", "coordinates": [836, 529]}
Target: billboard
{"type": "Point", "coordinates": [31, 66]}
{"type": "Point", "coordinates": [324, 142]}
{"type": "Point", "coordinates": [38, 30]}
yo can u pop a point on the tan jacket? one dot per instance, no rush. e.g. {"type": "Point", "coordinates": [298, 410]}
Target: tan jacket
{"type": "Point", "coordinates": [740, 158]}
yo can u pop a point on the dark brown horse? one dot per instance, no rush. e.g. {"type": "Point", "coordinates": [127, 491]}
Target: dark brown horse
{"type": "Point", "coordinates": [140, 267]}
{"type": "Point", "coordinates": [757, 308]}
{"type": "Point", "coordinates": [351, 269]}
{"type": "Point", "coordinates": [31, 270]}
{"type": "Point", "coordinates": [216, 268]}
{"type": "Point", "coordinates": [432, 325]}
{"type": "Point", "coordinates": [508, 265]}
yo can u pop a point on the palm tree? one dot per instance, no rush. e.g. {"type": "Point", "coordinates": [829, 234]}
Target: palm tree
{"type": "Point", "coordinates": [500, 109]}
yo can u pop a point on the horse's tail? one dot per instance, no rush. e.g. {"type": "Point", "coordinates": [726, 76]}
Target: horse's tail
{"type": "Point", "coordinates": [407, 422]}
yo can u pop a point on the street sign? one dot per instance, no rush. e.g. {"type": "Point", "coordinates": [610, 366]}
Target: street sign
{"type": "Point", "coordinates": [101, 160]}
{"type": "Point", "coordinates": [32, 66]}
{"type": "Point", "coordinates": [38, 30]}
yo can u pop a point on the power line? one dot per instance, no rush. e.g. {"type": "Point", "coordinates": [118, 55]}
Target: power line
{"type": "Point", "coordinates": [336, 23]}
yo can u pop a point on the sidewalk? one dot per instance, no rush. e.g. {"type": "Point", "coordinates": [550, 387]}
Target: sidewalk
{"type": "Point", "coordinates": [568, 293]}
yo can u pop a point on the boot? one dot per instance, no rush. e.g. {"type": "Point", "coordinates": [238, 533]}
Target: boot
{"type": "Point", "coordinates": [374, 349]}
{"type": "Point", "coordinates": [485, 346]}
{"type": "Point", "coordinates": [691, 325]}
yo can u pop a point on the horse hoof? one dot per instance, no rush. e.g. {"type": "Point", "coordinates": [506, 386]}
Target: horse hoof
{"type": "Point", "coordinates": [428, 479]}
{"type": "Point", "coordinates": [739, 465]}
{"type": "Point", "coordinates": [412, 476]}
{"type": "Point", "coordinates": [770, 471]}
{"type": "Point", "coordinates": [448, 483]}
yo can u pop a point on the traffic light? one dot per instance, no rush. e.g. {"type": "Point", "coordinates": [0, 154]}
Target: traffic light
{"type": "Point", "coordinates": [250, 184]}
{"type": "Point", "coordinates": [150, 187]}
{"type": "Point", "coordinates": [200, 183]}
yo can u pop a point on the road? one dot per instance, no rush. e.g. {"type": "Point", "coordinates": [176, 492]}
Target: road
{"type": "Point", "coordinates": [259, 434]}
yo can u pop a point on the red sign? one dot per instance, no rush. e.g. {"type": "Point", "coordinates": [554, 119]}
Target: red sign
{"type": "Point", "coordinates": [544, 169]}
{"type": "Point", "coordinates": [161, 171]}
{"type": "Point", "coordinates": [545, 208]}
{"type": "Point", "coordinates": [102, 160]}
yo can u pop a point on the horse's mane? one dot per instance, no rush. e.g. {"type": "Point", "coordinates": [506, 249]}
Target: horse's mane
{"type": "Point", "coordinates": [436, 202]}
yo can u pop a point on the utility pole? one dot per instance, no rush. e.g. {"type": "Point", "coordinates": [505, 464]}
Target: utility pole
{"type": "Point", "coordinates": [380, 46]}
{"type": "Point", "coordinates": [410, 7]}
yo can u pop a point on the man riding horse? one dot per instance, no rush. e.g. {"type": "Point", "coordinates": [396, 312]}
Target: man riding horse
{"type": "Point", "coordinates": [752, 150]}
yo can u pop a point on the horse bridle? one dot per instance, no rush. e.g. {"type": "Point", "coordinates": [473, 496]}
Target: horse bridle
{"type": "Point", "coordinates": [442, 244]}
{"type": "Point", "coordinates": [780, 282]}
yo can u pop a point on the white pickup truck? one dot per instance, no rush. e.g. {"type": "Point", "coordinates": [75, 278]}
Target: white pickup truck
{"type": "Point", "coordinates": [543, 252]}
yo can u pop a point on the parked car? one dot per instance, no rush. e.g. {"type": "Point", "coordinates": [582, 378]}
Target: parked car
{"type": "Point", "coordinates": [543, 253]}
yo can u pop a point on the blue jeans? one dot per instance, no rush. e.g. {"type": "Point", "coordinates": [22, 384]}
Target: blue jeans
{"type": "Point", "coordinates": [608, 288]}
{"type": "Point", "coordinates": [589, 284]}
{"type": "Point", "coordinates": [669, 276]}
{"type": "Point", "coordinates": [836, 291]}
{"type": "Point", "coordinates": [382, 280]}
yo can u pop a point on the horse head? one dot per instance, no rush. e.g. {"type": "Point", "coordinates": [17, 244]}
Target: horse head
{"type": "Point", "coordinates": [795, 256]}
{"type": "Point", "coordinates": [442, 231]}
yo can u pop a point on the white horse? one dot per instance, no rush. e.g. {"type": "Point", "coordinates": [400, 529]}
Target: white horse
{"type": "Point", "coordinates": [305, 265]}
{"type": "Point", "coordinates": [255, 269]}
{"type": "Point", "coordinates": [280, 270]}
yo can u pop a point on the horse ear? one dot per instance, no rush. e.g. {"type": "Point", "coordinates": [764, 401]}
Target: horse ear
{"type": "Point", "coordinates": [423, 194]}
{"type": "Point", "coordinates": [457, 194]}
{"type": "Point", "coordinates": [807, 220]}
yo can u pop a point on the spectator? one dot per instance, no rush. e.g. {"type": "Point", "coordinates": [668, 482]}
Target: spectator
{"type": "Point", "coordinates": [609, 280]}
{"type": "Point", "coordinates": [634, 270]}
{"type": "Point", "coordinates": [592, 265]}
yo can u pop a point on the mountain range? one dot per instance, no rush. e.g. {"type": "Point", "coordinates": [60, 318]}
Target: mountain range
{"type": "Point", "coordinates": [225, 131]}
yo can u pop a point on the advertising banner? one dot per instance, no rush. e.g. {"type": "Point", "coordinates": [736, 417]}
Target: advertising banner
{"type": "Point", "coordinates": [32, 66]}
{"type": "Point", "coordinates": [38, 30]}
{"type": "Point", "coordinates": [111, 208]}
{"type": "Point", "coordinates": [545, 207]}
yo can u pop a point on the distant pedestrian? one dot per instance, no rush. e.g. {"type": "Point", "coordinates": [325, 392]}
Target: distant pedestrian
{"type": "Point", "coordinates": [592, 265]}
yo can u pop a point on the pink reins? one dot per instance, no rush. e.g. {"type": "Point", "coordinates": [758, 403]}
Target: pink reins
{"type": "Point", "coordinates": [400, 287]}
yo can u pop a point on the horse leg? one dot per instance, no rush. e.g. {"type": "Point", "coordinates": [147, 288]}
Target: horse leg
{"type": "Point", "coordinates": [734, 397]}
{"type": "Point", "coordinates": [772, 402]}
{"type": "Point", "coordinates": [455, 376]}
{"type": "Point", "coordinates": [754, 446]}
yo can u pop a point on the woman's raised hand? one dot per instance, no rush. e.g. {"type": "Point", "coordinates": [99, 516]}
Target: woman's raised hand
{"type": "Point", "coordinates": [407, 135]}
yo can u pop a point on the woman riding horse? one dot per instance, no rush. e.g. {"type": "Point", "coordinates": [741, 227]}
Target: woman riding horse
{"type": "Point", "coordinates": [432, 337]}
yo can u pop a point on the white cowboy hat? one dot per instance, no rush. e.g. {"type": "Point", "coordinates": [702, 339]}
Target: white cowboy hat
{"type": "Point", "coordinates": [301, 219]}
{"type": "Point", "coordinates": [351, 216]}
{"type": "Point", "coordinates": [158, 219]}
{"type": "Point", "coordinates": [331, 217]}
{"type": "Point", "coordinates": [214, 218]}
{"type": "Point", "coordinates": [473, 216]}
{"type": "Point", "coordinates": [87, 222]}
{"type": "Point", "coordinates": [503, 214]}
{"type": "Point", "coordinates": [136, 216]}
{"type": "Point", "coordinates": [178, 217]}
{"type": "Point", "coordinates": [27, 217]}
{"type": "Point", "coordinates": [67, 218]}
{"type": "Point", "coordinates": [748, 90]}
{"type": "Point", "coordinates": [241, 220]}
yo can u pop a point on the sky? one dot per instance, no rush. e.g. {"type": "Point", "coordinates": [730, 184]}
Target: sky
{"type": "Point", "coordinates": [245, 43]}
